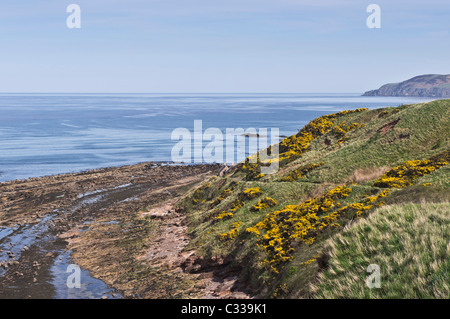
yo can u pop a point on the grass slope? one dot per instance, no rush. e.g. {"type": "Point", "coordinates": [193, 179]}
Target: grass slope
{"type": "Point", "coordinates": [409, 242]}
{"type": "Point", "coordinates": [328, 179]}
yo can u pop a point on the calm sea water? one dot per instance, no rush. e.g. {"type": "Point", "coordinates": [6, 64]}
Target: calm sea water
{"type": "Point", "coordinates": [45, 134]}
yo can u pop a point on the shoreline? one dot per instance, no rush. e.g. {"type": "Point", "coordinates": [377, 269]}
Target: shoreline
{"type": "Point", "coordinates": [98, 170]}
{"type": "Point", "coordinates": [99, 217]}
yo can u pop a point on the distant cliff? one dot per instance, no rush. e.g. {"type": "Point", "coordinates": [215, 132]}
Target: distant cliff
{"type": "Point", "coordinates": [430, 85]}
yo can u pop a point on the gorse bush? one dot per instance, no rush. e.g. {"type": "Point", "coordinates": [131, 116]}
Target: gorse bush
{"type": "Point", "coordinates": [252, 170]}
{"type": "Point", "coordinates": [293, 147]}
{"type": "Point", "coordinates": [200, 194]}
{"type": "Point", "coordinates": [263, 204]}
{"type": "Point", "coordinates": [301, 222]}
{"type": "Point", "coordinates": [224, 215]}
{"type": "Point", "coordinates": [305, 221]}
{"type": "Point", "coordinates": [239, 202]}
{"type": "Point", "coordinates": [251, 193]}
{"type": "Point", "coordinates": [404, 175]}
{"type": "Point", "coordinates": [340, 131]}
{"type": "Point", "coordinates": [232, 233]}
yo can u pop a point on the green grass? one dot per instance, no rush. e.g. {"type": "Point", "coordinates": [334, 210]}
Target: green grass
{"type": "Point", "coordinates": [426, 126]}
{"type": "Point", "coordinates": [367, 153]}
{"type": "Point", "coordinates": [409, 242]}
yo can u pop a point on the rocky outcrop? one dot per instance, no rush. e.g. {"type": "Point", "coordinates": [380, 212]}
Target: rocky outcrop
{"type": "Point", "coordinates": [431, 85]}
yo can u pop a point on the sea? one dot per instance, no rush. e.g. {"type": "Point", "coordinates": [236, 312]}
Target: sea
{"type": "Point", "coordinates": [47, 134]}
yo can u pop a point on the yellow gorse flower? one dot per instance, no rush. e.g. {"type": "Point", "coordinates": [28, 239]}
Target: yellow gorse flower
{"type": "Point", "coordinates": [293, 147]}
{"type": "Point", "coordinates": [232, 234]}
{"type": "Point", "coordinates": [263, 204]}
{"type": "Point", "coordinates": [295, 222]}
{"type": "Point", "coordinates": [404, 174]}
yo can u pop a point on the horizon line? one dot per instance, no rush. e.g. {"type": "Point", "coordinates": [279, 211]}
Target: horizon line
{"type": "Point", "coordinates": [180, 92]}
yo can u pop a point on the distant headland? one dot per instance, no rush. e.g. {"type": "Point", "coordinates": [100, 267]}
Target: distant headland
{"type": "Point", "coordinates": [429, 85]}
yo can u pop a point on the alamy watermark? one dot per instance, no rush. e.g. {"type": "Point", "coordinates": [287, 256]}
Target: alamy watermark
{"type": "Point", "coordinates": [374, 19]}
{"type": "Point", "coordinates": [374, 280]}
{"type": "Point", "coordinates": [74, 279]}
{"type": "Point", "coordinates": [74, 19]}
{"type": "Point", "coordinates": [232, 146]}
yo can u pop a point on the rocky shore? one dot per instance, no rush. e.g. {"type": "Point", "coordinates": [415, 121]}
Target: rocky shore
{"type": "Point", "coordinates": [117, 223]}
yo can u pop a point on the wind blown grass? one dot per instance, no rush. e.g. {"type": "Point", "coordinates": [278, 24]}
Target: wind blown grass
{"type": "Point", "coordinates": [409, 242]}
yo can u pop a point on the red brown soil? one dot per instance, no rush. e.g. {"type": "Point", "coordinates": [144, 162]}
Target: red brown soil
{"type": "Point", "coordinates": [386, 128]}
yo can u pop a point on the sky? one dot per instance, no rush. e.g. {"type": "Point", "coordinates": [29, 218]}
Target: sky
{"type": "Point", "coordinates": [219, 46]}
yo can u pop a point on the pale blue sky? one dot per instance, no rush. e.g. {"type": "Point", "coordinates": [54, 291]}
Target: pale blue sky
{"type": "Point", "coordinates": [219, 45]}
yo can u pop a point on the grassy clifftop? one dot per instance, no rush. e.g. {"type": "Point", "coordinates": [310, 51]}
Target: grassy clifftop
{"type": "Point", "coordinates": [338, 172]}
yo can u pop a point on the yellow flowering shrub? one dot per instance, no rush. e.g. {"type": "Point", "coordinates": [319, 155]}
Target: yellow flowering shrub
{"type": "Point", "coordinates": [278, 232]}
{"type": "Point", "coordinates": [306, 263]}
{"type": "Point", "coordinates": [251, 193]}
{"type": "Point", "coordinates": [224, 215]}
{"type": "Point", "coordinates": [304, 222]}
{"type": "Point", "coordinates": [281, 228]}
{"type": "Point", "coordinates": [293, 147]}
{"type": "Point", "coordinates": [224, 194]}
{"type": "Point", "coordinates": [236, 205]}
{"type": "Point", "coordinates": [404, 174]}
{"type": "Point", "coordinates": [239, 202]}
{"type": "Point", "coordinates": [200, 193]}
{"type": "Point", "coordinates": [232, 234]}
{"type": "Point", "coordinates": [263, 204]}
{"type": "Point", "coordinates": [340, 131]}
{"type": "Point", "coordinates": [371, 199]}
{"type": "Point", "coordinates": [281, 290]}
{"type": "Point", "coordinates": [252, 170]}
